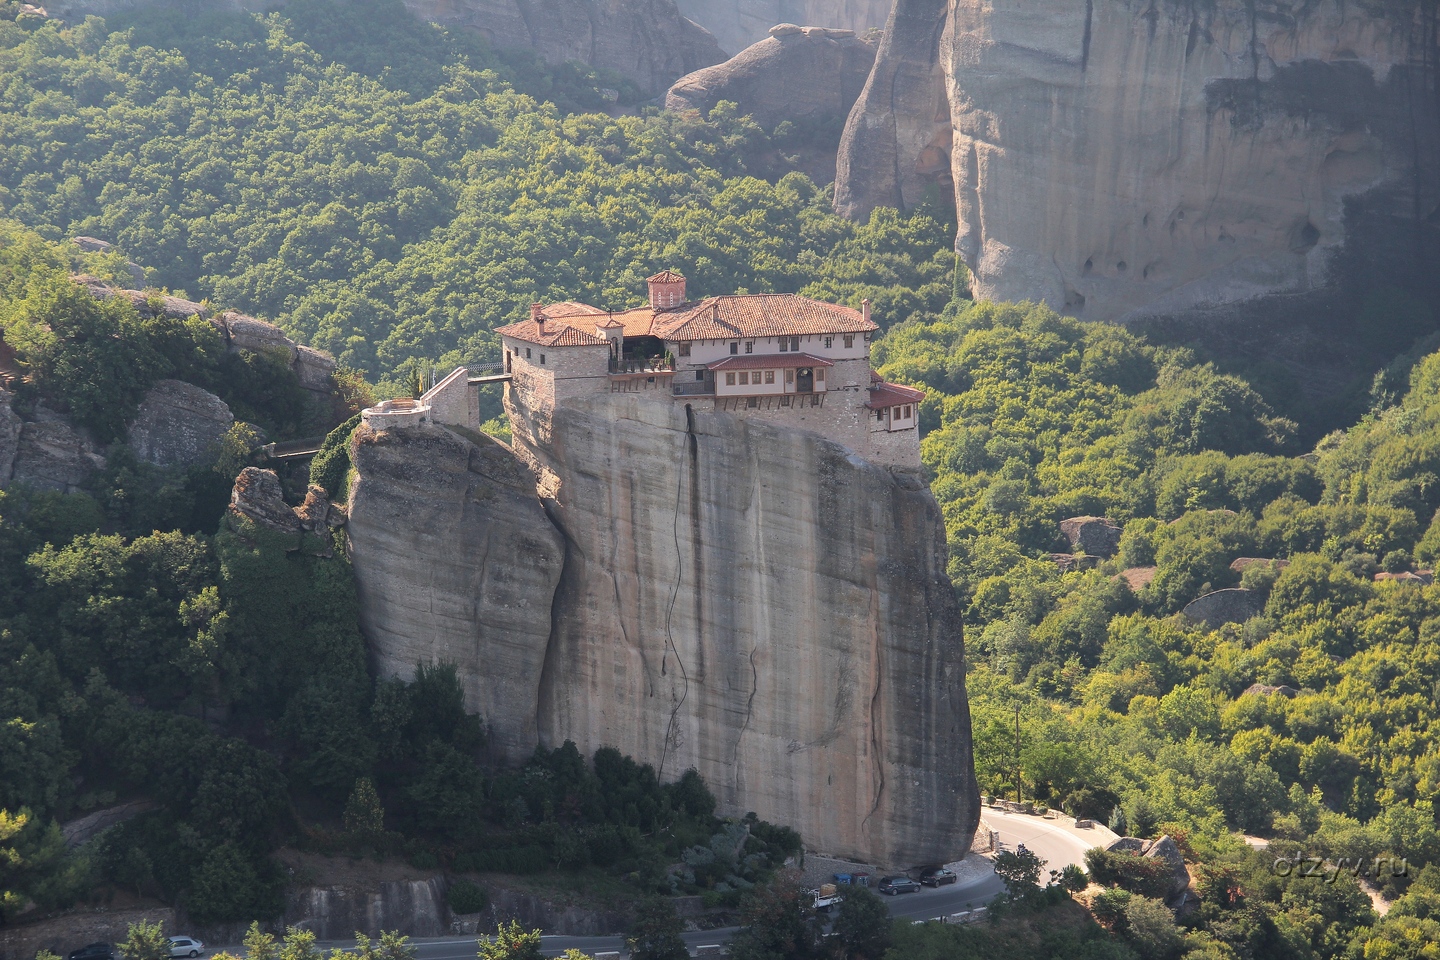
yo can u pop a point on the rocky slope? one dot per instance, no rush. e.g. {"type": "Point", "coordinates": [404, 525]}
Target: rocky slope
{"type": "Point", "coordinates": [647, 41]}
{"type": "Point", "coordinates": [739, 23]}
{"type": "Point", "coordinates": [753, 602]}
{"type": "Point", "coordinates": [1122, 159]}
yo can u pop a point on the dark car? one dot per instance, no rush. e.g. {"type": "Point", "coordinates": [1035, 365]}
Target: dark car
{"type": "Point", "coordinates": [937, 877]}
{"type": "Point", "coordinates": [894, 885]}
{"type": "Point", "coordinates": [95, 951]}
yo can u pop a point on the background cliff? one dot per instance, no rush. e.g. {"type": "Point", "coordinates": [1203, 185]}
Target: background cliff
{"type": "Point", "coordinates": [739, 23]}
{"type": "Point", "coordinates": [1122, 159]}
{"type": "Point", "coordinates": [756, 603]}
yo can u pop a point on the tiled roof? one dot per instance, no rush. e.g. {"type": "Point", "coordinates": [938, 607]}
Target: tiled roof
{"type": "Point", "coordinates": [557, 333]}
{"type": "Point", "coordinates": [769, 361]}
{"type": "Point", "coordinates": [758, 315]}
{"type": "Point", "coordinates": [884, 395]}
{"type": "Point", "coordinates": [725, 318]}
{"type": "Point", "coordinates": [666, 276]}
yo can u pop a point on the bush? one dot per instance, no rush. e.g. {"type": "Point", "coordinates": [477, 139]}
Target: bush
{"type": "Point", "coordinates": [466, 896]}
{"type": "Point", "coordinates": [1146, 876]}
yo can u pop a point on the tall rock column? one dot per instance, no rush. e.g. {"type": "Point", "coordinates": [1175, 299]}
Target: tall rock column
{"type": "Point", "coordinates": [766, 607]}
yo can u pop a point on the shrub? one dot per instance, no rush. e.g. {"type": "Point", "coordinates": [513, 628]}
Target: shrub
{"type": "Point", "coordinates": [1145, 876]}
{"type": "Point", "coordinates": [466, 896]}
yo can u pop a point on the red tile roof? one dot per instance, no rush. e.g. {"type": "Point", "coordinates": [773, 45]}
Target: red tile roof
{"type": "Point", "coordinates": [666, 276]}
{"type": "Point", "coordinates": [884, 395]}
{"type": "Point", "coordinates": [769, 361]}
{"type": "Point", "coordinates": [557, 333]}
{"type": "Point", "coordinates": [724, 318]}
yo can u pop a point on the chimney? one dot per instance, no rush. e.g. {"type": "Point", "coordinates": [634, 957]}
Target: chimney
{"type": "Point", "coordinates": [865, 309]}
{"type": "Point", "coordinates": [667, 290]}
{"type": "Point", "coordinates": [537, 313]}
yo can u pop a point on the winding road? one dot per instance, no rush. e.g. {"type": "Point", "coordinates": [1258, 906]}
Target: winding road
{"type": "Point", "coordinates": [1056, 842]}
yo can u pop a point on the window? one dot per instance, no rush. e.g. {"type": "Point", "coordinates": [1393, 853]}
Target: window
{"type": "Point", "coordinates": [735, 346]}
{"type": "Point", "coordinates": [789, 376]}
{"type": "Point", "coordinates": [867, 338]}
{"type": "Point", "coordinates": [753, 402]}
{"type": "Point", "coordinates": [880, 414]}
{"type": "Point", "coordinates": [527, 353]}
{"type": "Point", "coordinates": [684, 349]}
{"type": "Point", "coordinates": [784, 344]}
{"type": "Point", "coordinates": [744, 378]}
{"type": "Point", "coordinates": [795, 344]}
{"type": "Point", "coordinates": [699, 374]}
{"type": "Point", "coordinates": [819, 374]}
{"type": "Point", "coordinates": [769, 376]}
{"type": "Point", "coordinates": [729, 379]}
{"type": "Point", "coordinates": [849, 340]}
{"type": "Point", "coordinates": [907, 411]}
{"type": "Point", "coordinates": [895, 413]}
{"type": "Point", "coordinates": [749, 346]}
{"type": "Point", "coordinates": [542, 358]}
{"type": "Point", "coordinates": [784, 401]}
{"type": "Point", "coordinates": [829, 342]}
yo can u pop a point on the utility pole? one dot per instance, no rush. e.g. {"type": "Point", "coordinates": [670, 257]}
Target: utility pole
{"type": "Point", "coordinates": [1018, 798]}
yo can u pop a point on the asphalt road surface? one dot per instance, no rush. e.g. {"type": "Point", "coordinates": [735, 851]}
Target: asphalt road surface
{"type": "Point", "coordinates": [1052, 842]}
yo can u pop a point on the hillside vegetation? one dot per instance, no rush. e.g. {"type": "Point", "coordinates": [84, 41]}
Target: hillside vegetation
{"type": "Point", "coordinates": [390, 192]}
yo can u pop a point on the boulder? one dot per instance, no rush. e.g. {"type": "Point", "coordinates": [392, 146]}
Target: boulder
{"type": "Point", "coordinates": [1138, 577]}
{"type": "Point", "coordinates": [247, 333]}
{"type": "Point", "coordinates": [1266, 690]}
{"type": "Point", "coordinates": [1163, 848]}
{"type": "Point", "coordinates": [317, 513]}
{"type": "Point", "coordinates": [179, 424]}
{"type": "Point", "coordinates": [314, 368]}
{"type": "Point", "coordinates": [1235, 605]}
{"type": "Point", "coordinates": [1094, 535]}
{"type": "Point", "coordinates": [92, 245]}
{"type": "Point", "coordinates": [259, 498]}
{"type": "Point", "coordinates": [53, 455]}
{"type": "Point", "coordinates": [801, 75]}
{"type": "Point", "coordinates": [1421, 578]}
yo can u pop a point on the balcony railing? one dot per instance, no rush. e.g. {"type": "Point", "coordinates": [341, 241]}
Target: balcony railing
{"type": "Point", "coordinates": [696, 388]}
{"type": "Point", "coordinates": [652, 365]}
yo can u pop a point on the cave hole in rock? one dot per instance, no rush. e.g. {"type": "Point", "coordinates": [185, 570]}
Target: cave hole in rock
{"type": "Point", "coordinates": [1145, 220]}
{"type": "Point", "coordinates": [1085, 271]}
{"type": "Point", "coordinates": [1074, 301]}
{"type": "Point", "coordinates": [1122, 266]}
{"type": "Point", "coordinates": [1304, 237]}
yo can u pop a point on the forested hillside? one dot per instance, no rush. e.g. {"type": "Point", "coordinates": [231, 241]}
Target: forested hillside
{"type": "Point", "coordinates": [388, 191]}
{"type": "Point", "coordinates": [1125, 706]}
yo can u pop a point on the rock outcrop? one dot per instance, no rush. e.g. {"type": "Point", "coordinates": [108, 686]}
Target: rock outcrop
{"type": "Point", "coordinates": [1092, 535]}
{"type": "Point", "coordinates": [1165, 850]}
{"type": "Point", "coordinates": [1122, 160]}
{"type": "Point", "coordinates": [456, 560]}
{"type": "Point", "coordinates": [754, 602]}
{"type": "Point", "coordinates": [179, 424]}
{"type": "Point", "coordinates": [1215, 609]}
{"type": "Point", "coordinates": [739, 23]}
{"type": "Point", "coordinates": [797, 74]}
{"type": "Point", "coordinates": [51, 454]}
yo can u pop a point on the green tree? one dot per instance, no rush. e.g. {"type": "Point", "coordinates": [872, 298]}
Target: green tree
{"type": "Point", "coordinates": [260, 945]}
{"type": "Point", "coordinates": [511, 942]}
{"type": "Point", "coordinates": [777, 922]}
{"type": "Point", "coordinates": [363, 813]}
{"type": "Point", "coordinates": [862, 925]}
{"type": "Point", "coordinates": [145, 941]}
{"type": "Point", "coordinates": [1020, 870]}
{"type": "Point", "coordinates": [655, 934]}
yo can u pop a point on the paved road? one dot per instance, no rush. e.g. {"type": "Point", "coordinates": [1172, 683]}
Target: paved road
{"type": "Point", "coordinates": [1053, 842]}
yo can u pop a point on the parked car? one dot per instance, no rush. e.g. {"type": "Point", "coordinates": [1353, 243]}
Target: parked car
{"type": "Point", "coordinates": [894, 885]}
{"type": "Point", "coordinates": [937, 877]}
{"type": "Point", "coordinates": [95, 951]}
{"type": "Point", "coordinates": [185, 947]}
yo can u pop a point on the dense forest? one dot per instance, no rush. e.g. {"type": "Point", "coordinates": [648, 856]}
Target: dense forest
{"type": "Point", "coordinates": [391, 192]}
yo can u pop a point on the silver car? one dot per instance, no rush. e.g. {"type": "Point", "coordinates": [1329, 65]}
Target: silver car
{"type": "Point", "coordinates": [185, 947]}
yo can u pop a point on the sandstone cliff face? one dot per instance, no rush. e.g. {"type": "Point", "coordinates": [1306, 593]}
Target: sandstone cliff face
{"type": "Point", "coordinates": [756, 603]}
{"type": "Point", "coordinates": [739, 23]}
{"type": "Point", "coordinates": [456, 560]}
{"type": "Point", "coordinates": [179, 424]}
{"type": "Point", "coordinates": [648, 41]}
{"type": "Point", "coordinates": [1122, 159]}
{"type": "Point", "coordinates": [799, 73]}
